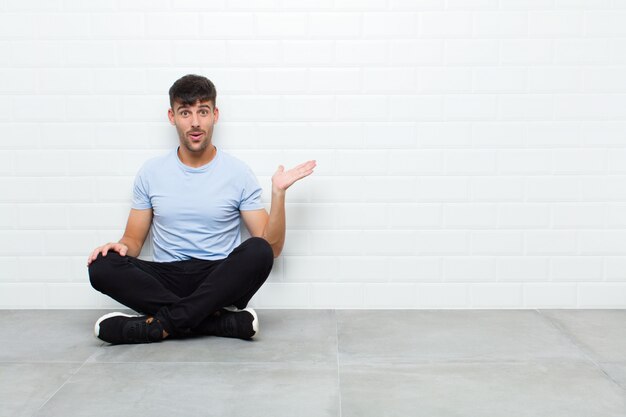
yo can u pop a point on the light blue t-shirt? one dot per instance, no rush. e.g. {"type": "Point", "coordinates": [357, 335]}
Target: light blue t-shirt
{"type": "Point", "coordinates": [195, 210]}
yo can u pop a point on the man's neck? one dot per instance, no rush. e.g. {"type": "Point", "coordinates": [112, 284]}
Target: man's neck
{"type": "Point", "coordinates": [195, 160]}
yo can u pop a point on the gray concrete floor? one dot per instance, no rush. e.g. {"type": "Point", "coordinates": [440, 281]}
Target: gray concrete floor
{"type": "Point", "coordinates": [350, 363]}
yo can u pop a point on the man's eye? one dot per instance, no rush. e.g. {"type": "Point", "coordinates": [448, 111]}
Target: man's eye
{"type": "Point", "coordinates": [204, 112]}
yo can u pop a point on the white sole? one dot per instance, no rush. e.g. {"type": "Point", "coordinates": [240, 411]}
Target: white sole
{"type": "Point", "coordinates": [255, 322]}
{"type": "Point", "coordinates": [96, 327]}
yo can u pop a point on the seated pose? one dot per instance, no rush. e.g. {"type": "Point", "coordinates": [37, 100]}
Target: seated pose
{"type": "Point", "coordinates": [202, 276]}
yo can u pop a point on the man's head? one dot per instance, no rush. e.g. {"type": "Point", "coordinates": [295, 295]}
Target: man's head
{"type": "Point", "coordinates": [193, 111]}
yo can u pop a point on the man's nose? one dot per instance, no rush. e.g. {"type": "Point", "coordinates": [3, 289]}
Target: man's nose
{"type": "Point", "coordinates": [195, 120]}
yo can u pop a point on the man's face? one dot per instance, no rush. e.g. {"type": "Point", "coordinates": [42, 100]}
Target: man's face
{"type": "Point", "coordinates": [194, 124]}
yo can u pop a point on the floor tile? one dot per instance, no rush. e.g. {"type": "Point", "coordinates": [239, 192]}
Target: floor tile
{"type": "Point", "coordinates": [24, 387]}
{"type": "Point", "coordinates": [408, 336]}
{"type": "Point", "coordinates": [47, 335]}
{"type": "Point", "coordinates": [601, 333]}
{"type": "Point", "coordinates": [198, 389]}
{"type": "Point", "coordinates": [567, 388]}
{"type": "Point", "coordinates": [284, 336]}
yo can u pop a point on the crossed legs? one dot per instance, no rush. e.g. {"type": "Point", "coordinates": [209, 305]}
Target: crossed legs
{"type": "Point", "coordinates": [182, 295]}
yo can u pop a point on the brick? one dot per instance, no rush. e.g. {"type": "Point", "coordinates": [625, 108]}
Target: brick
{"type": "Point", "coordinates": [470, 162]}
{"type": "Point", "coordinates": [498, 134]}
{"type": "Point", "coordinates": [495, 188]}
{"type": "Point", "coordinates": [469, 269]}
{"type": "Point", "coordinates": [601, 295]}
{"type": "Point", "coordinates": [433, 295]}
{"type": "Point", "coordinates": [527, 107]}
{"type": "Point", "coordinates": [470, 107]}
{"type": "Point", "coordinates": [522, 268]}
{"type": "Point", "coordinates": [445, 24]}
{"type": "Point", "coordinates": [251, 53]}
{"type": "Point", "coordinates": [435, 189]}
{"type": "Point", "coordinates": [526, 51]}
{"type": "Point", "coordinates": [390, 295]}
{"type": "Point", "coordinates": [444, 135]}
{"type": "Point", "coordinates": [524, 162]}
{"type": "Point", "coordinates": [551, 242]}
{"type": "Point", "coordinates": [416, 108]}
{"type": "Point", "coordinates": [361, 162]}
{"type": "Point", "coordinates": [576, 269]}
{"type": "Point", "coordinates": [395, 136]}
{"type": "Point", "coordinates": [117, 25]}
{"type": "Point", "coordinates": [362, 269]}
{"type": "Point", "coordinates": [42, 216]}
{"type": "Point", "coordinates": [343, 295]}
{"type": "Point", "coordinates": [496, 242]}
{"type": "Point", "coordinates": [471, 51]}
{"type": "Point", "coordinates": [474, 216]}
{"type": "Point", "coordinates": [495, 295]}
{"type": "Point", "coordinates": [311, 268]}
{"type": "Point", "coordinates": [280, 25]}
{"type": "Point", "coordinates": [282, 81]}
{"type": "Point", "coordinates": [557, 23]}
{"type": "Point", "coordinates": [555, 80]}
{"type": "Point", "coordinates": [313, 53]}
{"type": "Point", "coordinates": [550, 295]}
{"type": "Point", "coordinates": [334, 25]}
{"type": "Point", "coordinates": [552, 189]}
{"type": "Point", "coordinates": [334, 80]}
{"type": "Point", "coordinates": [416, 52]}
{"type": "Point", "coordinates": [441, 243]}
{"type": "Point", "coordinates": [171, 25]}
{"type": "Point", "coordinates": [414, 216]}
{"type": "Point", "coordinates": [500, 24]}
{"type": "Point", "coordinates": [444, 80]}
{"type": "Point", "coordinates": [361, 52]}
{"type": "Point", "coordinates": [523, 216]}
{"type": "Point", "coordinates": [414, 269]}
{"type": "Point", "coordinates": [391, 25]}
{"type": "Point", "coordinates": [500, 80]}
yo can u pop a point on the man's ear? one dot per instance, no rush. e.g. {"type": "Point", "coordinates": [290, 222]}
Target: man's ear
{"type": "Point", "coordinates": [170, 116]}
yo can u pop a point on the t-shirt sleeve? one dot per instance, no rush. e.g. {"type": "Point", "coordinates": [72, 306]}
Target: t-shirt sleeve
{"type": "Point", "coordinates": [251, 193]}
{"type": "Point", "coordinates": [141, 199]}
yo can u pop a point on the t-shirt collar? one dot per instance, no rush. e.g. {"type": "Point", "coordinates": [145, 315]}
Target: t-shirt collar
{"type": "Point", "coordinates": [202, 168]}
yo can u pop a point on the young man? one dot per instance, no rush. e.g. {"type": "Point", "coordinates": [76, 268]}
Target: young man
{"type": "Point", "coordinates": [193, 198]}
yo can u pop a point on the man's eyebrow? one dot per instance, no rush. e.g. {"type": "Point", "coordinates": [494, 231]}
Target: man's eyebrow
{"type": "Point", "coordinates": [184, 106]}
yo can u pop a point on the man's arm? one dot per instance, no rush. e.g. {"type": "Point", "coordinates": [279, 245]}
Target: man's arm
{"type": "Point", "coordinates": [272, 227]}
{"type": "Point", "coordinates": [137, 228]}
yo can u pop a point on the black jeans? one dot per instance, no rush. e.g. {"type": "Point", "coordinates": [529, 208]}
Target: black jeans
{"type": "Point", "coordinates": [184, 294]}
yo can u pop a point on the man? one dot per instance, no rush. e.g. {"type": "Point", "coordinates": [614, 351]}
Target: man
{"type": "Point", "coordinates": [202, 276]}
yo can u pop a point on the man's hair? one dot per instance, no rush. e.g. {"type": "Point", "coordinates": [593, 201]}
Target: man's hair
{"type": "Point", "coordinates": [191, 88]}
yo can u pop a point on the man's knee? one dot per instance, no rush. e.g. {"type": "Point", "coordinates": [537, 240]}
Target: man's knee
{"type": "Point", "coordinates": [262, 250]}
{"type": "Point", "coordinates": [100, 270]}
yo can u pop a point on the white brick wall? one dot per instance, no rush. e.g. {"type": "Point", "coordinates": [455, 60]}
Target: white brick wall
{"type": "Point", "coordinates": [471, 154]}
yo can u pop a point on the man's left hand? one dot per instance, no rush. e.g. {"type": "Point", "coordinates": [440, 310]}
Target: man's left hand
{"type": "Point", "coordinates": [281, 180]}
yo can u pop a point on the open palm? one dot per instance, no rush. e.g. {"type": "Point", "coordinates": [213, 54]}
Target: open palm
{"type": "Point", "coordinates": [282, 179]}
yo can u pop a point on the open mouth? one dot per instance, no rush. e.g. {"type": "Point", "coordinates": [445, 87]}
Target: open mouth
{"type": "Point", "coordinates": [196, 136]}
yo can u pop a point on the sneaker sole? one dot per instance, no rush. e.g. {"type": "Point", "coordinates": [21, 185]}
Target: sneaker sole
{"type": "Point", "coordinates": [255, 322]}
{"type": "Point", "coordinates": [96, 327]}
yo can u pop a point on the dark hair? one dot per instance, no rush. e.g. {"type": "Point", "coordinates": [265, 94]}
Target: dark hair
{"type": "Point", "coordinates": [191, 88]}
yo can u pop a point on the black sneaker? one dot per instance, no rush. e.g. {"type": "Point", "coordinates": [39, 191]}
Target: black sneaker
{"type": "Point", "coordinates": [120, 328]}
{"type": "Point", "coordinates": [232, 322]}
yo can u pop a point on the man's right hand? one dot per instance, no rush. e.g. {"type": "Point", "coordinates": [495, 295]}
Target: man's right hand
{"type": "Point", "coordinates": [116, 247]}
